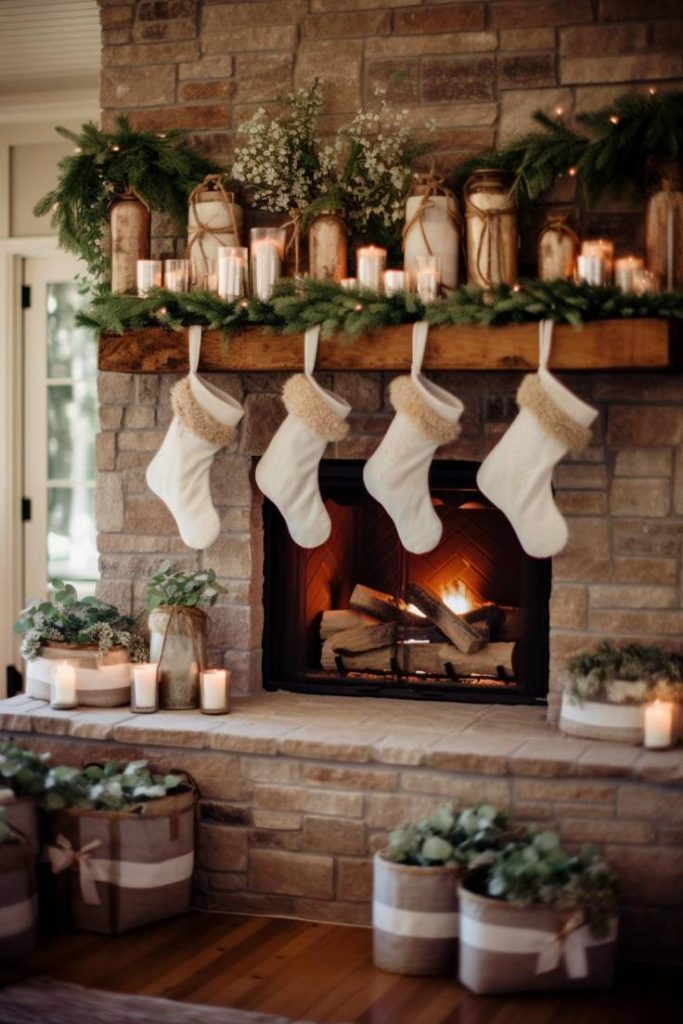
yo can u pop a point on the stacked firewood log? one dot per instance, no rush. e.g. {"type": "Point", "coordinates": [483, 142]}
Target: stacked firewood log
{"type": "Point", "coordinates": [418, 637]}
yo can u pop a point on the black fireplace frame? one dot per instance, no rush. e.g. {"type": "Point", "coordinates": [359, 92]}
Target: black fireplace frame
{"type": "Point", "coordinates": [284, 599]}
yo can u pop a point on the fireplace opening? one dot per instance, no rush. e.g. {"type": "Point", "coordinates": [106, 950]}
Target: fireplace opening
{"type": "Point", "coordinates": [361, 616]}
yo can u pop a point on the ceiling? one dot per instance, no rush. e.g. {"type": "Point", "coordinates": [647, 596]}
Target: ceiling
{"type": "Point", "coordinates": [47, 45]}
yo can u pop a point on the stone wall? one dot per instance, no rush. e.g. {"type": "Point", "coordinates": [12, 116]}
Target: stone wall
{"type": "Point", "coordinates": [619, 577]}
{"type": "Point", "coordinates": [473, 70]}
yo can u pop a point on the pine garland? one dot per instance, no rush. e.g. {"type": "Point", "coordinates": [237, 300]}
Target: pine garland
{"type": "Point", "coordinates": [296, 306]}
{"type": "Point", "coordinates": [160, 167]}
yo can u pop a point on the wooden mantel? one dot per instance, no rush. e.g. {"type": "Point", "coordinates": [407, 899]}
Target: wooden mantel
{"type": "Point", "coordinates": [599, 345]}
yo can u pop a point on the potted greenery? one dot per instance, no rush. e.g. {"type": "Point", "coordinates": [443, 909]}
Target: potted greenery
{"type": "Point", "coordinates": [538, 917]}
{"type": "Point", "coordinates": [178, 627]}
{"type": "Point", "coordinates": [91, 634]}
{"type": "Point", "coordinates": [605, 690]}
{"type": "Point", "coordinates": [415, 906]}
{"type": "Point", "coordinates": [118, 177]}
{"type": "Point", "coordinates": [18, 917]}
{"type": "Point", "coordinates": [126, 837]}
{"type": "Point", "coordinates": [22, 783]}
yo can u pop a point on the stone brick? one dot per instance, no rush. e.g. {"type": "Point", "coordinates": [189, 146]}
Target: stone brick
{"type": "Point", "coordinates": [110, 416]}
{"type": "Point", "coordinates": [154, 119]}
{"type": "Point", "coordinates": [263, 415]}
{"type": "Point", "coordinates": [137, 87]}
{"type": "Point", "coordinates": [678, 481]}
{"type": "Point", "coordinates": [646, 570]}
{"type": "Point", "coordinates": [623, 10]}
{"type": "Point", "coordinates": [473, 752]}
{"type": "Point", "coordinates": [330, 802]}
{"type": "Point", "coordinates": [639, 497]}
{"type": "Point", "coordinates": [526, 71]}
{"type": "Point", "coordinates": [651, 803]}
{"type": "Point", "coordinates": [276, 839]}
{"type": "Point", "coordinates": [116, 592]}
{"type": "Point", "coordinates": [454, 787]}
{"type": "Point", "coordinates": [356, 5]}
{"type": "Point", "coordinates": [354, 879]}
{"type": "Point", "coordinates": [607, 595]}
{"type": "Point", "coordinates": [453, 116]}
{"type": "Point", "coordinates": [277, 872]}
{"type": "Point", "coordinates": [645, 537]}
{"type": "Point", "coordinates": [269, 769]}
{"type": "Point", "coordinates": [460, 78]}
{"type": "Point", "coordinates": [349, 778]}
{"type": "Point", "coordinates": [279, 821]}
{"type": "Point", "coordinates": [154, 31]}
{"type": "Point", "coordinates": [139, 417]}
{"type": "Point", "coordinates": [150, 53]}
{"type": "Point", "coordinates": [594, 40]}
{"type": "Point", "coordinates": [147, 512]}
{"type": "Point", "coordinates": [330, 835]}
{"type": "Point", "coordinates": [217, 774]}
{"type": "Point", "coordinates": [339, 65]}
{"type": "Point", "coordinates": [457, 17]}
{"type": "Point", "coordinates": [660, 766]}
{"type": "Point", "coordinates": [231, 555]}
{"type": "Point", "coordinates": [640, 623]}
{"type": "Point", "coordinates": [343, 744]}
{"type": "Point", "coordinates": [569, 607]}
{"type": "Point", "coordinates": [231, 480]}
{"type": "Point", "coordinates": [223, 17]}
{"type": "Point", "coordinates": [548, 757]}
{"type": "Point", "coordinates": [668, 35]}
{"type": "Point", "coordinates": [236, 628]}
{"type": "Point", "coordinates": [252, 37]}
{"type": "Point", "coordinates": [398, 80]}
{"type": "Point", "coordinates": [586, 556]}
{"type": "Point", "coordinates": [518, 106]}
{"type": "Point", "coordinates": [221, 813]}
{"type": "Point", "coordinates": [105, 452]}
{"type": "Point", "coordinates": [671, 835]}
{"type": "Point", "coordinates": [645, 67]}
{"type": "Point", "coordinates": [527, 39]}
{"type": "Point", "coordinates": [191, 91]}
{"type": "Point", "coordinates": [356, 23]}
{"type": "Point", "coordinates": [263, 80]}
{"type": "Point", "coordinates": [220, 848]}
{"type": "Point", "coordinates": [429, 46]}
{"type": "Point", "coordinates": [584, 790]}
{"type": "Point", "coordinates": [643, 462]}
{"type": "Point", "coordinates": [648, 874]}
{"type": "Point", "coordinates": [534, 13]}
{"type": "Point", "coordinates": [114, 388]}
{"type": "Point", "coordinates": [605, 830]}
{"type": "Point", "coordinates": [109, 502]}
{"type": "Point", "coordinates": [362, 390]}
{"type": "Point", "coordinates": [581, 503]}
{"type": "Point", "coordinates": [576, 476]}
{"type": "Point", "coordinates": [206, 69]}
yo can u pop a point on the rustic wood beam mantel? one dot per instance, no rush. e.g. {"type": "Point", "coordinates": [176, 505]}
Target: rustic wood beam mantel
{"type": "Point", "coordinates": [599, 345]}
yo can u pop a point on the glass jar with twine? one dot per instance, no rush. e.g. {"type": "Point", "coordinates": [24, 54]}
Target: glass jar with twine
{"type": "Point", "coordinates": [328, 246]}
{"type": "Point", "coordinates": [492, 240]}
{"type": "Point", "coordinates": [558, 246]}
{"type": "Point", "coordinates": [432, 228]}
{"type": "Point", "coordinates": [178, 645]}
{"type": "Point", "coordinates": [214, 219]}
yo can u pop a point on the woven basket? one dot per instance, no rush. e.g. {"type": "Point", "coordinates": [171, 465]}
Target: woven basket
{"type": "Point", "coordinates": [102, 680]}
{"type": "Point", "coordinates": [415, 918]}
{"type": "Point", "coordinates": [599, 720]}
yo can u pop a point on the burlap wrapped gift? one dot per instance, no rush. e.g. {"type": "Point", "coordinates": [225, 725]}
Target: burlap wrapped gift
{"type": "Point", "coordinates": [126, 868]}
{"type": "Point", "coordinates": [506, 948]}
{"type": "Point", "coordinates": [102, 680]}
{"type": "Point", "coordinates": [18, 906]}
{"type": "Point", "coordinates": [415, 918]}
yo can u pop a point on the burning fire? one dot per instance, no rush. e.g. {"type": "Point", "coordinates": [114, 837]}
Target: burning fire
{"type": "Point", "coordinates": [456, 598]}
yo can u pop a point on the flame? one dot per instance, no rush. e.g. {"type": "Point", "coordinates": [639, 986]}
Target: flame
{"type": "Point", "coordinates": [456, 598]}
{"type": "Point", "coordinates": [416, 611]}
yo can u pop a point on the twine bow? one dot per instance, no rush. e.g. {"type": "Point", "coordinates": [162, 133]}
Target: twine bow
{"type": "Point", "coordinates": [295, 237]}
{"type": "Point", "coordinates": [212, 182]}
{"type": "Point", "coordinates": [62, 855]}
{"type": "Point", "coordinates": [566, 943]}
{"type": "Point", "coordinates": [559, 225]}
{"type": "Point", "coordinates": [490, 232]}
{"type": "Point", "coordinates": [432, 185]}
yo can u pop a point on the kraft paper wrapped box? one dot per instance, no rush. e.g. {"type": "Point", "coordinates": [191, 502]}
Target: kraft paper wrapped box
{"type": "Point", "coordinates": [126, 868]}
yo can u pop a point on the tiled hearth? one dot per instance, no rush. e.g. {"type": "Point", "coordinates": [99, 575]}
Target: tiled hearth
{"type": "Point", "coordinates": [297, 792]}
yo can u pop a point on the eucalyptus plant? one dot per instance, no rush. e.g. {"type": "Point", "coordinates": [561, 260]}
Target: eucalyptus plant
{"type": "Point", "coordinates": [536, 870]}
{"type": "Point", "coordinates": [449, 838]}
{"type": "Point", "coordinates": [66, 619]}
{"type": "Point", "coordinates": [182, 589]}
{"type": "Point", "coordinates": [111, 787]}
{"type": "Point", "coordinates": [631, 674]}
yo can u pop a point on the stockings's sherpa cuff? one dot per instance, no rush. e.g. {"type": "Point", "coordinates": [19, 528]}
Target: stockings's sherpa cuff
{"type": "Point", "coordinates": [197, 420]}
{"type": "Point", "coordinates": [302, 399]}
{"type": "Point", "coordinates": [405, 397]}
{"type": "Point", "coordinates": [531, 396]}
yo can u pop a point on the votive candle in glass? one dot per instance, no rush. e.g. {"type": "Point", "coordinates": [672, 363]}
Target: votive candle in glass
{"type": "Point", "coordinates": [144, 696]}
{"type": "Point", "coordinates": [428, 277]}
{"type": "Point", "coordinates": [395, 281]}
{"type": "Point", "coordinates": [624, 270]}
{"type": "Point", "coordinates": [370, 263]}
{"type": "Point", "coordinates": [214, 691]}
{"type": "Point", "coordinates": [349, 284]}
{"type": "Point", "coordinates": [63, 686]}
{"type": "Point", "coordinates": [232, 271]}
{"type": "Point", "coordinates": [643, 281]}
{"type": "Point", "coordinates": [266, 252]}
{"type": "Point", "coordinates": [149, 275]}
{"type": "Point", "coordinates": [660, 717]}
{"type": "Point", "coordinates": [176, 275]}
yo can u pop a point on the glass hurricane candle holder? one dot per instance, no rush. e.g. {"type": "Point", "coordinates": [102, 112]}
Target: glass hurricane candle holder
{"type": "Point", "coordinates": [643, 281]}
{"type": "Point", "coordinates": [660, 725]}
{"type": "Point", "coordinates": [233, 261]}
{"type": "Point", "coordinates": [395, 281]}
{"type": "Point", "coordinates": [428, 278]}
{"type": "Point", "coordinates": [214, 691]}
{"type": "Point", "coordinates": [624, 269]}
{"type": "Point", "coordinates": [266, 252]}
{"type": "Point", "coordinates": [177, 275]}
{"type": "Point", "coordinates": [63, 687]}
{"type": "Point", "coordinates": [370, 263]}
{"type": "Point", "coordinates": [144, 695]}
{"type": "Point", "coordinates": [149, 275]}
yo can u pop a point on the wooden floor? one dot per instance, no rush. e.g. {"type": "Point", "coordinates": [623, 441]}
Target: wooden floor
{"type": "Point", "coordinates": [322, 973]}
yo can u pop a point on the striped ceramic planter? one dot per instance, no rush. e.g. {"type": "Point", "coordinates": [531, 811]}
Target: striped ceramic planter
{"type": "Point", "coordinates": [18, 907]}
{"type": "Point", "coordinates": [598, 720]}
{"type": "Point", "coordinates": [415, 918]}
{"type": "Point", "coordinates": [102, 680]}
{"type": "Point", "coordinates": [506, 948]}
{"type": "Point", "coordinates": [126, 868]}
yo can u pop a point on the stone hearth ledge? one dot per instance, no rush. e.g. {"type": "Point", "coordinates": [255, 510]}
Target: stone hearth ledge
{"type": "Point", "coordinates": [489, 739]}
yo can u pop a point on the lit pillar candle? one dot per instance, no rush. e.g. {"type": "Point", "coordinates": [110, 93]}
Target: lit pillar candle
{"type": "Point", "coordinates": [64, 686]}
{"type": "Point", "coordinates": [214, 691]}
{"type": "Point", "coordinates": [145, 688]}
{"type": "Point", "coordinates": [595, 261]}
{"type": "Point", "coordinates": [659, 724]}
{"type": "Point", "coordinates": [148, 275]}
{"type": "Point", "coordinates": [265, 260]}
{"type": "Point", "coordinates": [428, 278]}
{"type": "Point", "coordinates": [394, 282]}
{"type": "Point", "coordinates": [176, 275]}
{"type": "Point", "coordinates": [370, 263]}
{"type": "Point", "coordinates": [348, 283]}
{"type": "Point", "coordinates": [624, 272]}
{"type": "Point", "coordinates": [232, 272]}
